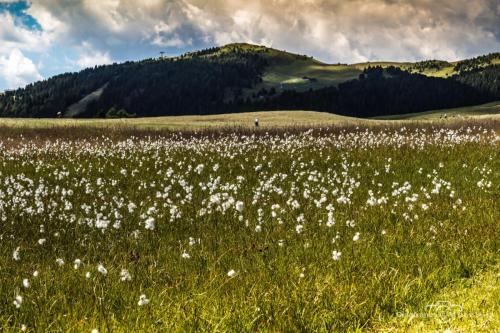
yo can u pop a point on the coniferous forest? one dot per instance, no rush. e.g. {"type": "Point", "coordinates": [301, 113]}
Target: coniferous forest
{"type": "Point", "coordinates": [212, 81]}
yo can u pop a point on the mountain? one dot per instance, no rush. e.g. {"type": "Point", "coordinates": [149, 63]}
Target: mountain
{"type": "Point", "coordinates": [244, 77]}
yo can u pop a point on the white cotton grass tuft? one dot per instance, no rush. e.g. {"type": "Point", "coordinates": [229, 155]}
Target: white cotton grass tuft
{"type": "Point", "coordinates": [239, 206]}
{"type": "Point", "coordinates": [60, 261]}
{"type": "Point", "coordinates": [101, 269]}
{"type": "Point", "coordinates": [77, 263]}
{"type": "Point", "coordinates": [231, 273]}
{"type": "Point", "coordinates": [336, 255]}
{"type": "Point", "coordinates": [15, 255]}
{"type": "Point", "coordinates": [143, 300]}
{"type": "Point", "coordinates": [26, 283]}
{"type": "Point", "coordinates": [18, 301]}
{"type": "Point", "coordinates": [125, 275]}
{"type": "Point", "coordinates": [356, 237]}
{"type": "Point", "coordinates": [149, 224]}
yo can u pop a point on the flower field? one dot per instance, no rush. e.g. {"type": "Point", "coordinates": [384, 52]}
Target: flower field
{"type": "Point", "coordinates": [308, 231]}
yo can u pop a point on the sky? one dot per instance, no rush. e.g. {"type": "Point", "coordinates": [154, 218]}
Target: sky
{"type": "Point", "coordinates": [42, 38]}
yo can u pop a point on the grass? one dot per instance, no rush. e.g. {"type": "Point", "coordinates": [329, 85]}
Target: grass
{"type": "Point", "coordinates": [489, 110]}
{"type": "Point", "coordinates": [167, 209]}
{"type": "Point", "coordinates": [291, 76]}
{"type": "Point", "coordinates": [467, 305]}
{"type": "Point", "coordinates": [267, 120]}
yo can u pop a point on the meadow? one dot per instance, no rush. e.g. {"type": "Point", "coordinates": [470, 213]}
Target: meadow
{"type": "Point", "coordinates": [268, 120]}
{"type": "Point", "coordinates": [337, 229]}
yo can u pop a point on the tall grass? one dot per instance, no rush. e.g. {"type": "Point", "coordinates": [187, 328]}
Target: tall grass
{"type": "Point", "coordinates": [236, 232]}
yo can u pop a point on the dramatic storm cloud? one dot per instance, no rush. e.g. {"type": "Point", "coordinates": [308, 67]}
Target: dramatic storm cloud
{"type": "Point", "coordinates": [59, 35]}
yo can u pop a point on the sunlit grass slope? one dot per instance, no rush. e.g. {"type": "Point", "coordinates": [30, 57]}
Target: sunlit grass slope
{"type": "Point", "coordinates": [267, 119]}
{"type": "Point", "coordinates": [466, 305]}
{"type": "Point", "coordinates": [491, 110]}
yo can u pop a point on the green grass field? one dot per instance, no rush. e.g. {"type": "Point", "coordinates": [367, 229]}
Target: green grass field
{"type": "Point", "coordinates": [271, 119]}
{"type": "Point", "coordinates": [267, 120]}
{"type": "Point", "coordinates": [489, 110]}
{"type": "Point", "coordinates": [339, 230]}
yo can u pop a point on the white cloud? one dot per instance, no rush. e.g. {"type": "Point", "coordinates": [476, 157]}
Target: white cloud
{"type": "Point", "coordinates": [91, 58]}
{"type": "Point", "coordinates": [331, 30]}
{"type": "Point", "coordinates": [13, 36]}
{"type": "Point", "coordinates": [18, 70]}
{"type": "Point", "coordinates": [47, 20]}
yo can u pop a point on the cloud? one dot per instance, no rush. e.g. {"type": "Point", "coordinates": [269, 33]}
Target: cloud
{"type": "Point", "coordinates": [18, 70]}
{"type": "Point", "coordinates": [334, 30]}
{"type": "Point", "coordinates": [14, 36]}
{"type": "Point", "coordinates": [91, 58]}
{"type": "Point", "coordinates": [331, 30]}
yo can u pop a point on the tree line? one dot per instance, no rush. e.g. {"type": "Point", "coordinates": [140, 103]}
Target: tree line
{"type": "Point", "coordinates": [214, 80]}
{"type": "Point", "coordinates": [389, 91]}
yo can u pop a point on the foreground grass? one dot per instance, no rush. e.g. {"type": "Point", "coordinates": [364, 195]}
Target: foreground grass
{"type": "Point", "coordinates": [236, 234]}
{"type": "Point", "coordinates": [467, 305]}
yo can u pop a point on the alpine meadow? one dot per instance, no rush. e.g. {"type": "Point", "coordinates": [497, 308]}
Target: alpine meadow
{"type": "Point", "coordinates": [166, 166]}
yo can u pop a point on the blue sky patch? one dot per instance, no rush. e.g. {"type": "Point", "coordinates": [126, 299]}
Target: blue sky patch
{"type": "Point", "coordinates": [18, 10]}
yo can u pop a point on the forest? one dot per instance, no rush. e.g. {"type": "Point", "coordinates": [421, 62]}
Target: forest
{"type": "Point", "coordinates": [213, 81]}
{"type": "Point", "coordinates": [391, 91]}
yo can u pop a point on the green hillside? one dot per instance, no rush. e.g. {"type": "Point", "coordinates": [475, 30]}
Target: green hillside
{"type": "Point", "coordinates": [243, 77]}
{"type": "Point", "coordinates": [288, 71]}
{"type": "Point", "coordinates": [477, 111]}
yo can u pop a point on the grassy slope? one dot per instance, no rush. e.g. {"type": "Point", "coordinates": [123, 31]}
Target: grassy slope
{"type": "Point", "coordinates": [489, 109]}
{"type": "Point", "coordinates": [287, 71]}
{"type": "Point", "coordinates": [472, 305]}
{"type": "Point", "coordinates": [267, 119]}
{"type": "Point", "coordinates": [291, 76]}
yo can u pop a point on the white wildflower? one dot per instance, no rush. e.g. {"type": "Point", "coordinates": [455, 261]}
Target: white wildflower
{"type": "Point", "coordinates": [125, 275]}
{"type": "Point", "coordinates": [239, 206]}
{"type": "Point", "coordinates": [18, 301]}
{"type": "Point", "coordinates": [15, 255]}
{"type": "Point", "coordinates": [149, 223]}
{"type": "Point", "coordinates": [231, 273]}
{"type": "Point", "coordinates": [143, 300]}
{"type": "Point", "coordinates": [101, 269]}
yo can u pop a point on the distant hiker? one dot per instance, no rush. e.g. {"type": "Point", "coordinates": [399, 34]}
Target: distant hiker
{"type": "Point", "coordinates": [59, 114]}
{"type": "Point", "coordinates": [256, 122]}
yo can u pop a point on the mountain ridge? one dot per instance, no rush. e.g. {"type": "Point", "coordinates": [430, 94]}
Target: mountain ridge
{"type": "Point", "coordinates": [244, 77]}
